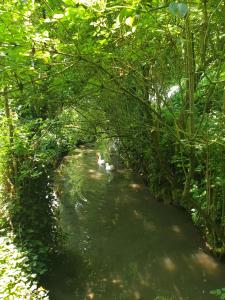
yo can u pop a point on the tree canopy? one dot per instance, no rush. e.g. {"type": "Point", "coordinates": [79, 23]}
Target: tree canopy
{"type": "Point", "coordinates": [148, 75]}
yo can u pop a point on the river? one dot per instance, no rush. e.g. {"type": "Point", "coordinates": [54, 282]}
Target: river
{"type": "Point", "coordinates": [123, 245]}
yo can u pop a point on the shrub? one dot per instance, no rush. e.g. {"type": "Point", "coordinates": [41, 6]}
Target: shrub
{"type": "Point", "coordinates": [16, 279]}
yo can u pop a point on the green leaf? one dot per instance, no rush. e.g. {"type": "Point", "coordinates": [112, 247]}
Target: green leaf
{"type": "Point", "coordinates": [173, 8]}
{"type": "Point", "coordinates": [178, 9]}
{"type": "Point", "coordinates": [129, 21]}
{"type": "Point", "coordinates": [183, 9]}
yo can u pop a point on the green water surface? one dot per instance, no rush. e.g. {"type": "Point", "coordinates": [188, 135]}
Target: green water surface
{"type": "Point", "coordinates": [123, 245]}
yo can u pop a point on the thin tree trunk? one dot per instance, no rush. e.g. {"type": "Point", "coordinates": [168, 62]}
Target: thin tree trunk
{"type": "Point", "coordinates": [9, 119]}
{"type": "Point", "coordinates": [190, 89]}
{"type": "Point", "coordinates": [12, 164]}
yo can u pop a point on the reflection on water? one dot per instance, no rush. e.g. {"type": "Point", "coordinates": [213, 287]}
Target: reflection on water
{"type": "Point", "coordinates": [122, 245]}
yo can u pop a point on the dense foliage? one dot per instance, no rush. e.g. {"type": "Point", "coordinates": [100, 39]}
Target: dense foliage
{"type": "Point", "coordinates": [16, 278]}
{"type": "Point", "coordinates": [148, 75]}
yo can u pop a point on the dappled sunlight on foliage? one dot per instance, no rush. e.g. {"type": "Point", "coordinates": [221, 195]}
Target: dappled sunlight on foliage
{"type": "Point", "coordinates": [143, 81]}
{"type": "Point", "coordinates": [16, 278]}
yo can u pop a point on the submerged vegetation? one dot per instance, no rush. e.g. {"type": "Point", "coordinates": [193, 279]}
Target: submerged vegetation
{"type": "Point", "coordinates": [147, 77]}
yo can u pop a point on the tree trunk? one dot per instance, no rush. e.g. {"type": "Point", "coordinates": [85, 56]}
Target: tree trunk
{"type": "Point", "coordinates": [11, 174]}
{"type": "Point", "coordinates": [190, 89]}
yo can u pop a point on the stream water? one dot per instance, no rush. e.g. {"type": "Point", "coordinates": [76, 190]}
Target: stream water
{"type": "Point", "coordinates": [123, 245]}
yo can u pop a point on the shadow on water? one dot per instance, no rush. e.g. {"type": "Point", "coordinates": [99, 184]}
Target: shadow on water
{"type": "Point", "coordinates": [122, 245]}
{"type": "Point", "coordinates": [66, 279]}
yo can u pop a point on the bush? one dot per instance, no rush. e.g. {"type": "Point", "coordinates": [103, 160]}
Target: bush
{"type": "Point", "coordinates": [219, 293]}
{"type": "Point", "coordinates": [16, 279]}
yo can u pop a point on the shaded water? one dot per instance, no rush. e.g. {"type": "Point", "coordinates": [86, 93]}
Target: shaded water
{"type": "Point", "coordinates": [123, 245]}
